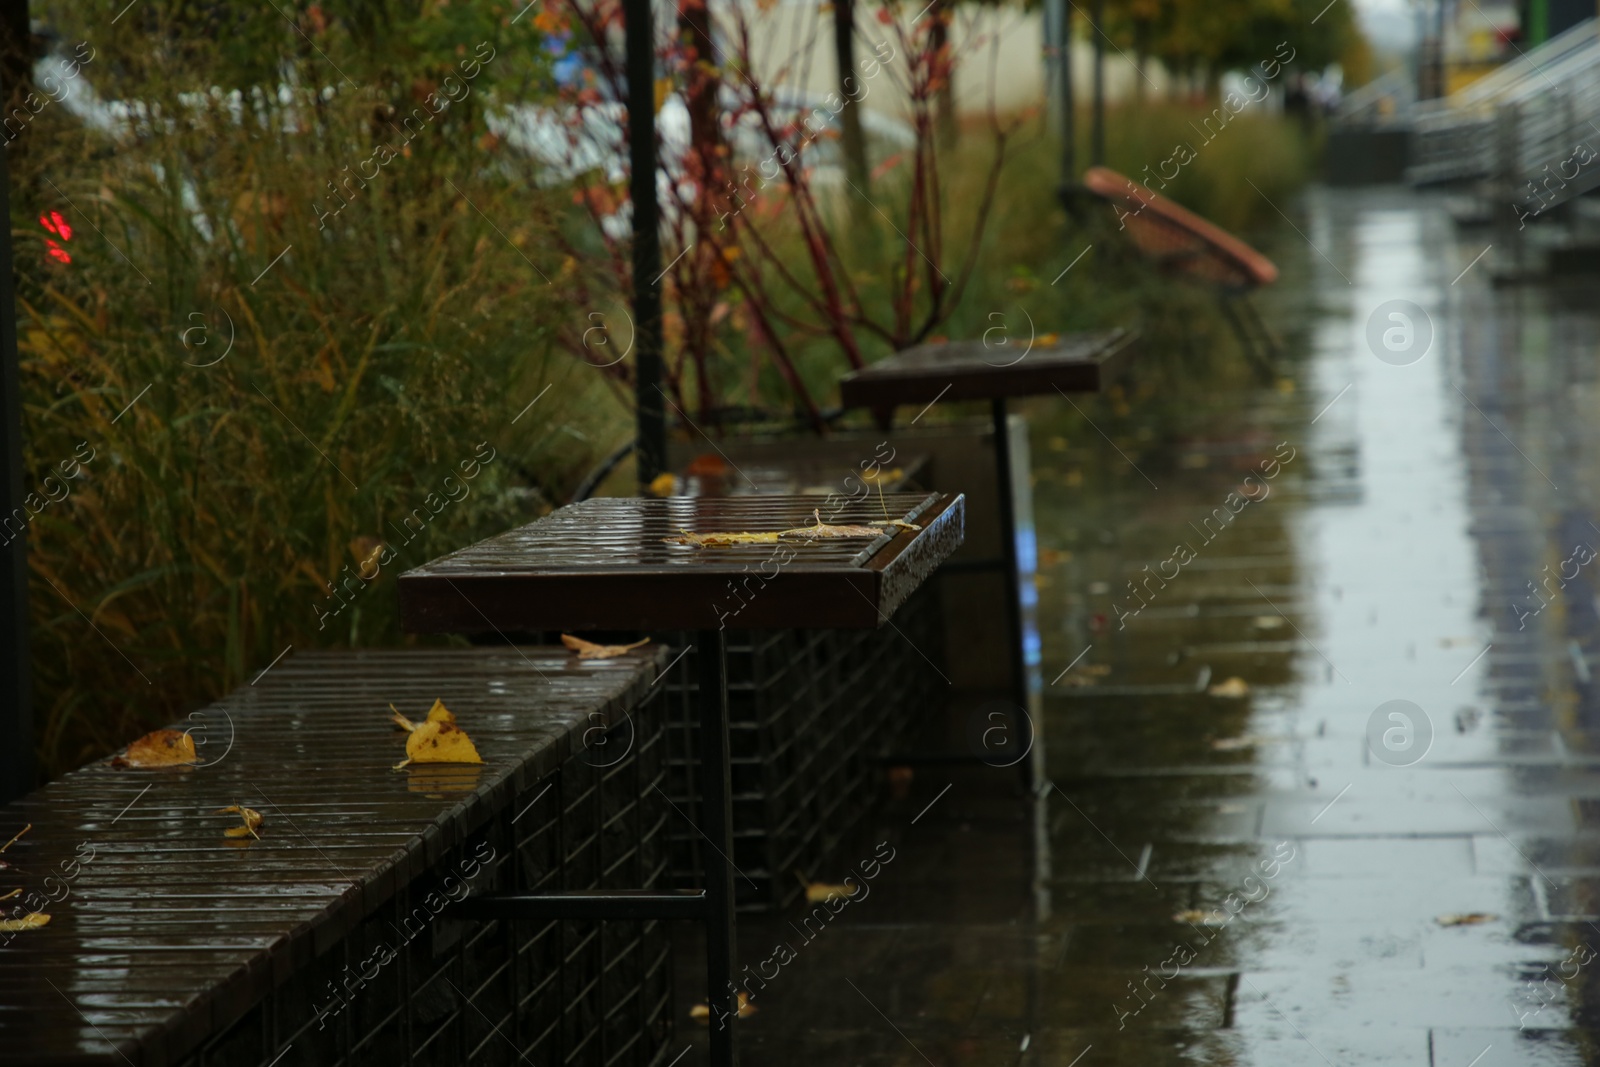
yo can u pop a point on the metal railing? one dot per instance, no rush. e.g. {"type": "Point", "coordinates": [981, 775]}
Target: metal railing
{"type": "Point", "coordinates": [1513, 124]}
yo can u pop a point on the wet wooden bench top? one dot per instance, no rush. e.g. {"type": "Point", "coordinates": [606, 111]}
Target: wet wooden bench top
{"type": "Point", "coordinates": [169, 931]}
{"type": "Point", "coordinates": [973, 370]}
{"type": "Point", "coordinates": [610, 564]}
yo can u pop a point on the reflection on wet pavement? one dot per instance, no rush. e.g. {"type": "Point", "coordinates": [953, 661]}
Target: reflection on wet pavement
{"type": "Point", "coordinates": [1326, 782]}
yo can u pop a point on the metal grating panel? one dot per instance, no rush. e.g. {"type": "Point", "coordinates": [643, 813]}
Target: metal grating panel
{"type": "Point", "coordinates": [810, 712]}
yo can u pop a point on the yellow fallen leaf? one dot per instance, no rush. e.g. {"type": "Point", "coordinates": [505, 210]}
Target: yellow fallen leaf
{"type": "Point", "coordinates": [1233, 688]}
{"type": "Point", "coordinates": [439, 742]}
{"type": "Point", "coordinates": [713, 540]}
{"type": "Point", "coordinates": [590, 650]}
{"type": "Point", "coordinates": [823, 530]}
{"type": "Point", "coordinates": [437, 713]}
{"type": "Point", "coordinates": [1234, 744]}
{"type": "Point", "coordinates": [1471, 918]}
{"type": "Point", "coordinates": [162, 748]}
{"type": "Point", "coordinates": [701, 1013]}
{"type": "Point", "coordinates": [251, 817]}
{"type": "Point", "coordinates": [27, 922]}
{"type": "Point", "coordinates": [1204, 918]}
{"type": "Point", "coordinates": [822, 892]}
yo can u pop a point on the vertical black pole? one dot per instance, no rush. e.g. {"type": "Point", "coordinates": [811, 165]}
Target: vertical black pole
{"type": "Point", "coordinates": [844, 50]}
{"type": "Point", "coordinates": [1008, 551]}
{"type": "Point", "coordinates": [1069, 118]}
{"type": "Point", "coordinates": [716, 800]}
{"type": "Point", "coordinates": [639, 25]}
{"type": "Point", "coordinates": [1097, 145]}
{"type": "Point", "coordinates": [16, 697]}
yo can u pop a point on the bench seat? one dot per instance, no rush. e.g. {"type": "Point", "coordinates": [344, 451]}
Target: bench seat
{"type": "Point", "coordinates": [170, 943]}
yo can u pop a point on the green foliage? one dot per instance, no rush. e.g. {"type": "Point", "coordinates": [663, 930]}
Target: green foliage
{"type": "Point", "coordinates": [276, 377]}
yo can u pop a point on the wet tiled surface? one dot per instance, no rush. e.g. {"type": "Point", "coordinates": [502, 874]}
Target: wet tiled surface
{"type": "Point", "coordinates": [1276, 877]}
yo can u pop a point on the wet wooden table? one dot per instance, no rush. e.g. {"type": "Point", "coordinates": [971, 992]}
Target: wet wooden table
{"type": "Point", "coordinates": [620, 564]}
{"type": "Point", "coordinates": [974, 370]}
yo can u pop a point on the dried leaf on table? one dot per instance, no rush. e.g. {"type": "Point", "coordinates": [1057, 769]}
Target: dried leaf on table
{"type": "Point", "coordinates": [1471, 918]}
{"type": "Point", "coordinates": [899, 524]}
{"type": "Point", "coordinates": [590, 650]}
{"type": "Point", "coordinates": [1232, 688]}
{"type": "Point", "coordinates": [27, 922]}
{"type": "Point", "coordinates": [439, 742]}
{"type": "Point", "coordinates": [163, 748]}
{"type": "Point", "coordinates": [717, 540]}
{"type": "Point", "coordinates": [823, 530]}
{"type": "Point", "coordinates": [251, 817]}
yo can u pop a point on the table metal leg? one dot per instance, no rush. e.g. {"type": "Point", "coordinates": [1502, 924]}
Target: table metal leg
{"type": "Point", "coordinates": [1008, 549]}
{"type": "Point", "coordinates": [716, 797]}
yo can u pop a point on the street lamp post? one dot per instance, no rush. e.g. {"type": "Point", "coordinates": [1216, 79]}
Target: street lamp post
{"type": "Point", "coordinates": [16, 697]}
{"type": "Point", "coordinates": [639, 28]}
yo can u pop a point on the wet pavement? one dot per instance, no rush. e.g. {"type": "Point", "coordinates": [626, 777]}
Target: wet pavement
{"type": "Point", "coordinates": [1326, 768]}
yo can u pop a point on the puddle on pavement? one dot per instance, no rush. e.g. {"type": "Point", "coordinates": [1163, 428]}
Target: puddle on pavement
{"type": "Point", "coordinates": [1255, 871]}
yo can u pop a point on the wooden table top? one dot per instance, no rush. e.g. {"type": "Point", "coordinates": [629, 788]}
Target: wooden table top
{"type": "Point", "coordinates": [971, 370]}
{"type": "Point", "coordinates": [612, 564]}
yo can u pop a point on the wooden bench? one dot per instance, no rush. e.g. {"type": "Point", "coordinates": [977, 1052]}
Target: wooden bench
{"type": "Point", "coordinates": [1183, 244]}
{"type": "Point", "coordinates": [331, 937]}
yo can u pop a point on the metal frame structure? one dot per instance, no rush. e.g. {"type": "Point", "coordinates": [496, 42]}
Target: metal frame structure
{"type": "Point", "coordinates": [603, 565]}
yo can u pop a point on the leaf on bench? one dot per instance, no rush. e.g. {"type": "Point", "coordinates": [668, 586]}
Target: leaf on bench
{"type": "Point", "coordinates": [437, 713]}
{"type": "Point", "coordinates": [162, 748]}
{"type": "Point", "coordinates": [439, 742]}
{"type": "Point", "coordinates": [717, 540]}
{"type": "Point", "coordinates": [27, 922]}
{"type": "Point", "coordinates": [590, 650]}
{"type": "Point", "coordinates": [823, 531]}
{"type": "Point", "coordinates": [251, 817]}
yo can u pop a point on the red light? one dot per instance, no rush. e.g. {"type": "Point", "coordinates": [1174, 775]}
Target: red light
{"type": "Point", "coordinates": [56, 225]}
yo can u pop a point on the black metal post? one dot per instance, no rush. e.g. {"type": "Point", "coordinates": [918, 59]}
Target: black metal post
{"type": "Point", "coordinates": [1097, 139]}
{"type": "Point", "coordinates": [1069, 118]}
{"type": "Point", "coordinates": [16, 697]}
{"type": "Point", "coordinates": [639, 25]}
{"type": "Point", "coordinates": [1008, 551]}
{"type": "Point", "coordinates": [716, 799]}
{"type": "Point", "coordinates": [844, 50]}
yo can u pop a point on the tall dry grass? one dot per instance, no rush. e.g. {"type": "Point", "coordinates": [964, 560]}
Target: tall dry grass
{"type": "Point", "coordinates": [281, 405]}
